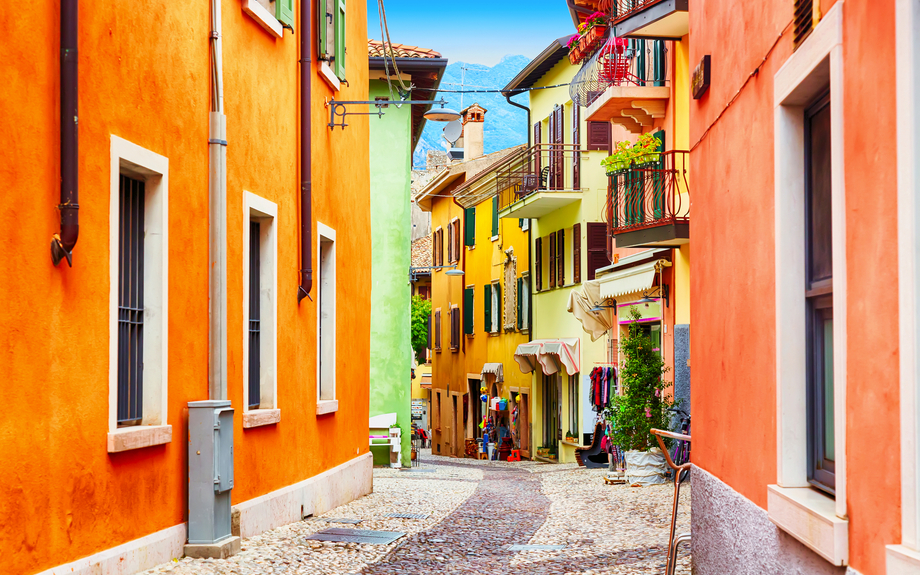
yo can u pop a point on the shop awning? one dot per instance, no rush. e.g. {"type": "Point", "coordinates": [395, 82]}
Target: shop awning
{"type": "Point", "coordinates": [552, 355]}
{"type": "Point", "coordinates": [495, 369]}
{"type": "Point", "coordinates": [596, 323]}
{"type": "Point", "coordinates": [630, 280]}
{"type": "Point", "coordinates": [426, 382]}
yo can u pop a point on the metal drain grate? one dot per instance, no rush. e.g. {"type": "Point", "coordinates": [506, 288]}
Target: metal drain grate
{"type": "Point", "coordinates": [341, 520]}
{"type": "Point", "coordinates": [535, 547]}
{"type": "Point", "coordinates": [408, 515]}
{"type": "Point", "coordinates": [339, 535]}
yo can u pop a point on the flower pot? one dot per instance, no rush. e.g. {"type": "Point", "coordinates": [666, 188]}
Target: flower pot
{"type": "Point", "coordinates": [649, 159]}
{"type": "Point", "coordinates": [575, 55]}
{"type": "Point", "coordinates": [645, 467]}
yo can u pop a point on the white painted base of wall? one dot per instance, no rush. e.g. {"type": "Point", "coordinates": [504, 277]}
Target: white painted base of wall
{"type": "Point", "coordinates": [902, 561]}
{"type": "Point", "coordinates": [317, 494]}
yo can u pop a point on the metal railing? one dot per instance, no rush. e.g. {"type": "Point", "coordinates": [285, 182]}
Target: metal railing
{"type": "Point", "coordinates": [649, 195]}
{"type": "Point", "coordinates": [621, 62]}
{"type": "Point", "coordinates": [542, 167]}
{"type": "Point", "coordinates": [623, 9]}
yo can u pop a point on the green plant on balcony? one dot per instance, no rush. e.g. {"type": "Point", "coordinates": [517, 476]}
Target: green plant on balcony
{"type": "Point", "coordinates": [627, 154]}
{"type": "Point", "coordinates": [590, 36]}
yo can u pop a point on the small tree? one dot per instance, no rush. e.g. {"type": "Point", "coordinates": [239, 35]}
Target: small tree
{"type": "Point", "coordinates": [421, 311]}
{"type": "Point", "coordinates": [643, 405]}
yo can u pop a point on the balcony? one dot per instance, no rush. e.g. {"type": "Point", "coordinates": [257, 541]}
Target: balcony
{"type": "Point", "coordinates": [633, 77]}
{"type": "Point", "coordinates": [653, 19]}
{"type": "Point", "coordinates": [649, 206]}
{"type": "Point", "coordinates": [545, 178]}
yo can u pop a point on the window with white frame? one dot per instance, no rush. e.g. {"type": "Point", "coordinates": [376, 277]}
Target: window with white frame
{"type": "Point", "coordinates": [326, 328]}
{"type": "Point", "coordinates": [331, 35]}
{"type": "Point", "coordinates": [260, 334]}
{"type": "Point", "coordinates": [497, 306]}
{"type": "Point", "coordinates": [272, 15]}
{"type": "Point", "coordinates": [138, 321]}
{"type": "Point", "coordinates": [523, 320]}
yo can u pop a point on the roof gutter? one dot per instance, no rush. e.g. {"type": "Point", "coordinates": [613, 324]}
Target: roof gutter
{"type": "Point", "coordinates": [525, 108]}
{"type": "Point", "coordinates": [306, 151]}
{"type": "Point", "coordinates": [63, 243]}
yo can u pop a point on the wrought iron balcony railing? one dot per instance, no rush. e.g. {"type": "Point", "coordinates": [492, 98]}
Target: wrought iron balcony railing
{"type": "Point", "coordinates": [649, 195]}
{"type": "Point", "coordinates": [540, 168]}
{"type": "Point", "coordinates": [623, 9]}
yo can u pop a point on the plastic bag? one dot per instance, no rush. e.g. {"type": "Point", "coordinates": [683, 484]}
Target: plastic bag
{"type": "Point", "coordinates": [646, 467]}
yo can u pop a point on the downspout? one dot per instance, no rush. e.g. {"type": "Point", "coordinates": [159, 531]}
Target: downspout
{"type": "Point", "coordinates": [62, 243]}
{"type": "Point", "coordinates": [462, 267]}
{"type": "Point", "coordinates": [525, 108]}
{"type": "Point", "coordinates": [217, 192]}
{"type": "Point", "coordinates": [529, 227]}
{"type": "Point", "coordinates": [306, 149]}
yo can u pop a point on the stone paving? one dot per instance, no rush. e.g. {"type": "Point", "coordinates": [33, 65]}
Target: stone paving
{"type": "Point", "coordinates": [477, 510]}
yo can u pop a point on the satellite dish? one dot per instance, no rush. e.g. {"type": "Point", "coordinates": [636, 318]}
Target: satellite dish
{"type": "Point", "coordinates": [453, 130]}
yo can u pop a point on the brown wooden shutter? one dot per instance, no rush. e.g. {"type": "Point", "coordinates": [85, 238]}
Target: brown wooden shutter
{"type": "Point", "coordinates": [434, 248]}
{"type": "Point", "coordinates": [437, 330]}
{"type": "Point", "coordinates": [598, 136]}
{"type": "Point", "coordinates": [576, 253]}
{"type": "Point", "coordinates": [597, 247]}
{"type": "Point", "coordinates": [560, 258]}
{"type": "Point", "coordinates": [804, 18]}
{"type": "Point", "coordinates": [537, 140]}
{"type": "Point", "coordinates": [457, 247]}
{"type": "Point", "coordinates": [557, 135]}
{"type": "Point", "coordinates": [538, 264]}
{"type": "Point", "coordinates": [576, 141]}
{"type": "Point", "coordinates": [552, 260]}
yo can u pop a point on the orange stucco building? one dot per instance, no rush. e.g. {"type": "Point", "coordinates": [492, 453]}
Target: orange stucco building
{"type": "Point", "coordinates": [804, 295]}
{"type": "Point", "coordinates": [84, 489]}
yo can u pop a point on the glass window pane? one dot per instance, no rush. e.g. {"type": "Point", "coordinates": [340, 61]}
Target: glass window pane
{"type": "Point", "coordinates": [819, 191]}
{"type": "Point", "coordinates": [828, 388]}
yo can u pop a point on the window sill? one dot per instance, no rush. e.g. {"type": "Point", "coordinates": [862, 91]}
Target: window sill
{"type": "Point", "coordinates": [328, 75]}
{"type": "Point", "coordinates": [327, 406]}
{"type": "Point", "coordinates": [569, 443]}
{"type": "Point", "coordinates": [902, 560]}
{"type": "Point", "coordinates": [138, 437]}
{"type": "Point", "coordinates": [263, 17]}
{"type": "Point", "coordinates": [494, 238]}
{"type": "Point", "coordinates": [260, 417]}
{"type": "Point", "coordinates": [810, 517]}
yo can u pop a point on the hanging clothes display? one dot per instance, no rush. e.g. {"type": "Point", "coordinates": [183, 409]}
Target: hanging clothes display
{"type": "Point", "coordinates": [603, 386]}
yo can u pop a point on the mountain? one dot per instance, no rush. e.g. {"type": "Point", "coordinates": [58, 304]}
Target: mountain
{"type": "Point", "coordinates": [505, 125]}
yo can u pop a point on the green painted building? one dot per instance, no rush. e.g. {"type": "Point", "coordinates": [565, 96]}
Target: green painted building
{"type": "Point", "coordinates": [393, 138]}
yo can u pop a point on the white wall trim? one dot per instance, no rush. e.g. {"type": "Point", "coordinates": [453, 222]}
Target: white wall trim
{"type": "Point", "coordinates": [266, 211]}
{"type": "Point", "coordinates": [326, 304]}
{"type": "Point", "coordinates": [810, 517]}
{"type": "Point", "coordinates": [318, 494]}
{"type": "Point", "coordinates": [135, 161]}
{"type": "Point", "coordinates": [131, 557]}
{"type": "Point", "coordinates": [816, 64]}
{"type": "Point", "coordinates": [265, 18]}
{"type": "Point", "coordinates": [907, 42]}
{"type": "Point", "coordinates": [326, 73]}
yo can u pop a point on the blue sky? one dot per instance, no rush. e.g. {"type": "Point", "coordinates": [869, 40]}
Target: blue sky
{"type": "Point", "coordinates": [475, 31]}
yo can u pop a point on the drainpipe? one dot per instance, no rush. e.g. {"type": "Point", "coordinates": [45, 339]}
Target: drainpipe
{"type": "Point", "coordinates": [62, 243]}
{"type": "Point", "coordinates": [217, 192]}
{"type": "Point", "coordinates": [463, 267]}
{"type": "Point", "coordinates": [525, 108]}
{"type": "Point", "coordinates": [529, 228]}
{"type": "Point", "coordinates": [306, 148]}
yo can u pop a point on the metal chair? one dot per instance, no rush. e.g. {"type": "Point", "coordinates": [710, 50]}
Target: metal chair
{"type": "Point", "coordinates": [681, 472]}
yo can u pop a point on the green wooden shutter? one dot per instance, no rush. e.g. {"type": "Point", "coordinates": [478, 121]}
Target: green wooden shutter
{"type": "Point", "coordinates": [469, 221]}
{"type": "Point", "coordinates": [326, 30]}
{"type": "Point", "coordinates": [284, 12]}
{"type": "Point", "coordinates": [339, 39]}
{"type": "Point", "coordinates": [520, 296]}
{"type": "Point", "coordinates": [468, 310]}
{"type": "Point", "coordinates": [487, 308]}
{"type": "Point", "coordinates": [494, 216]}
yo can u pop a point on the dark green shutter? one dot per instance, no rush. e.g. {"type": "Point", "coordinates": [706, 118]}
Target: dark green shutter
{"type": "Point", "coordinates": [284, 12]}
{"type": "Point", "coordinates": [487, 308]}
{"type": "Point", "coordinates": [520, 297]}
{"type": "Point", "coordinates": [468, 311]}
{"type": "Point", "coordinates": [494, 216]}
{"type": "Point", "coordinates": [339, 66]}
{"type": "Point", "coordinates": [469, 221]}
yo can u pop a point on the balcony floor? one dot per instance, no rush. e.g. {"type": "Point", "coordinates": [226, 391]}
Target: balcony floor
{"type": "Point", "coordinates": [540, 203]}
{"type": "Point", "coordinates": [668, 235]}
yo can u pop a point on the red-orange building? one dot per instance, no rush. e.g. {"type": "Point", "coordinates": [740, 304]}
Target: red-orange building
{"type": "Point", "coordinates": [804, 293]}
{"type": "Point", "coordinates": [94, 440]}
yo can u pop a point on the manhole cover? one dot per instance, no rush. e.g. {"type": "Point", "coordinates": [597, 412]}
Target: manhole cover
{"type": "Point", "coordinates": [338, 535]}
{"type": "Point", "coordinates": [408, 515]}
{"type": "Point", "coordinates": [535, 547]}
{"type": "Point", "coordinates": [341, 520]}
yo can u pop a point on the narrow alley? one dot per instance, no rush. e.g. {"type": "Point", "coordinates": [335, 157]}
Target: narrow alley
{"type": "Point", "coordinates": [474, 511]}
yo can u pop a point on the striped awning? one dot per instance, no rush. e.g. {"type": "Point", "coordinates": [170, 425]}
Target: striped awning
{"type": "Point", "coordinates": [552, 355]}
{"type": "Point", "coordinates": [631, 280]}
{"type": "Point", "coordinates": [426, 381]}
{"type": "Point", "coordinates": [494, 369]}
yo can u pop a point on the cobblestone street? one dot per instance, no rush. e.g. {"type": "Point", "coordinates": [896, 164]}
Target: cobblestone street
{"type": "Point", "coordinates": [476, 510]}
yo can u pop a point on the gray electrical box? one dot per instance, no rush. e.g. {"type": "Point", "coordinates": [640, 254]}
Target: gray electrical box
{"type": "Point", "coordinates": [210, 471]}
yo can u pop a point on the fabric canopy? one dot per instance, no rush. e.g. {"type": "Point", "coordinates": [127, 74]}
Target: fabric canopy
{"type": "Point", "coordinates": [495, 369]}
{"type": "Point", "coordinates": [551, 354]}
{"type": "Point", "coordinates": [596, 323]}
{"type": "Point", "coordinates": [630, 280]}
{"type": "Point", "coordinates": [426, 381]}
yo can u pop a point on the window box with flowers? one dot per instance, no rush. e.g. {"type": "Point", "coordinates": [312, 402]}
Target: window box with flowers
{"type": "Point", "coordinates": [626, 155]}
{"type": "Point", "coordinates": [590, 37]}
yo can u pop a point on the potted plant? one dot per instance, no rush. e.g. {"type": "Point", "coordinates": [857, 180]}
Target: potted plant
{"type": "Point", "coordinates": [647, 149]}
{"type": "Point", "coordinates": [574, 50]}
{"type": "Point", "coordinates": [571, 437]}
{"type": "Point", "coordinates": [642, 407]}
{"type": "Point", "coordinates": [591, 34]}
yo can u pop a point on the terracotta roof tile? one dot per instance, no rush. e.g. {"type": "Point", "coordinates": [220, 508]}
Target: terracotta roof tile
{"type": "Point", "coordinates": [421, 252]}
{"type": "Point", "coordinates": [375, 50]}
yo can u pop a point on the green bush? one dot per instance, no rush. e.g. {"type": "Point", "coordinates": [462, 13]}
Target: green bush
{"type": "Point", "coordinates": [643, 405]}
{"type": "Point", "coordinates": [421, 311]}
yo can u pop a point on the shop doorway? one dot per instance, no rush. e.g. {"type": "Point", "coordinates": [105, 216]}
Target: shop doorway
{"type": "Point", "coordinates": [476, 409]}
{"type": "Point", "coordinates": [551, 416]}
{"type": "Point", "coordinates": [524, 422]}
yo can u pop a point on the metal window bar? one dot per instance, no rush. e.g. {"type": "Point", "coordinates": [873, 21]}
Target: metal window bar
{"type": "Point", "coordinates": [130, 301]}
{"type": "Point", "coordinates": [649, 195]}
{"type": "Point", "coordinates": [255, 310]}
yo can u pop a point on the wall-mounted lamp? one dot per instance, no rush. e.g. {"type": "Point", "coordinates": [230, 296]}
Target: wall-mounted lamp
{"type": "Point", "coordinates": [663, 292]}
{"type": "Point", "coordinates": [598, 307]}
{"type": "Point", "coordinates": [451, 271]}
{"type": "Point", "coordinates": [338, 109]}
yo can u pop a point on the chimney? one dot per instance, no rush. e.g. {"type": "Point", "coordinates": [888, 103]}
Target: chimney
{"type": "Point", "coordinates": [473, 136]}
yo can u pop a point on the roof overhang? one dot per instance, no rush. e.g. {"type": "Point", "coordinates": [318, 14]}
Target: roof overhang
{"type": "Point", "coordinates": [426, 76]}
{"type": "Point", "coordinates": [540, 203]}
{"type": "Point", "coordinates": [543, 63]}
{"type": "Point", "coordinates": [435, 187]}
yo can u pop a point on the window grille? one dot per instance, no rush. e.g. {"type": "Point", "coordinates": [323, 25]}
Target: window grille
{"type": "Point", "coordinates": [255, 297]}
{"type": "Point", "coordinates": [130, 301]}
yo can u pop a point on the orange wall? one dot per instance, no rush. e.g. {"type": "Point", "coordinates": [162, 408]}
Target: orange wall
{"type": "Point", "coordinates": [733, 282]}
{"type": "Point", "coordinates": [62, 495]}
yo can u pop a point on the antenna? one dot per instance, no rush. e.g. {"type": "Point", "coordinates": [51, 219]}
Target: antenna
{"type": "Point", "coordinates": [463, 70]}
